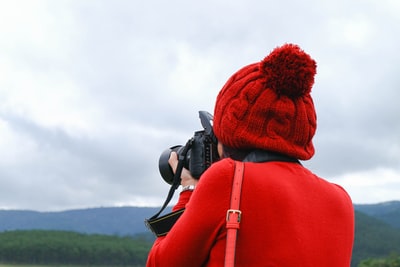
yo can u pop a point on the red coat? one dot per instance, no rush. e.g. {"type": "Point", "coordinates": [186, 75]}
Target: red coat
{"type": "Point", "coordinates": [290, 218]}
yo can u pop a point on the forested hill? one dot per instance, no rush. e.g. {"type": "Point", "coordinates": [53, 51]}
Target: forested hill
{"type": "Point", "coordinates": [130, 220]}
{"type": "Point", "coordinates": [374, 239]}
{"type": "Point", "coordinates": [119, 221]}
{"type": "Point", "coordinates": [388, 212]}
{"type": "Point", "coordinates": [377, 225]}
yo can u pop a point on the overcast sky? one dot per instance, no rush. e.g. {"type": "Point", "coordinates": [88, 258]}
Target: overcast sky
{"type": "Point", "coordinates": [91, 92]}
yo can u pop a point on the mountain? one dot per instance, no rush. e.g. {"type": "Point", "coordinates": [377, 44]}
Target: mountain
{"type": "Point", "coordinates": [130, 220]}
{"type": "Point", "coordinates": [374, 238]}
{"type": "Point", "coordinates": [388, 212]}
{"type": "Point", "coordinates": [119, 221]}
{"type": "Point", "coordinates": [377, 225]}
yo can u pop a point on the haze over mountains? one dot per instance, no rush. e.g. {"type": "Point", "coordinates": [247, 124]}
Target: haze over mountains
{"type": "Point", "coordinates": [119, 221]}
{"type": "Point", "coordinates": [377, 225]}
{"type": "Point", "coordinates": [130, 220]}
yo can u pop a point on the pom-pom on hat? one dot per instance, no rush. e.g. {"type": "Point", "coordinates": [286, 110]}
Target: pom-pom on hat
{"type": "Point", "coordinates": [267, 105]}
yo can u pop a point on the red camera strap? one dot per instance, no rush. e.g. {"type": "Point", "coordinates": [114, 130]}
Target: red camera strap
{"type": "Point", "coordinates": [233, 215]}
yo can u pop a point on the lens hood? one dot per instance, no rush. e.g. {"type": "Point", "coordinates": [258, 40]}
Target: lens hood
{"type": "Point", "coordinates": [165, 170]}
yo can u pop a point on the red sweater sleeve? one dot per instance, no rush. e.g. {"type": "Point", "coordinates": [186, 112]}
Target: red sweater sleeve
{"type": "Point", "coordinates": [191, 238]}
{"type": "Point", "coordinates": [183, 200]}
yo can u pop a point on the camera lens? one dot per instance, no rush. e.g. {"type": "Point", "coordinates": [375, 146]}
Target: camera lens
{"type": "Point", "coordinates": [163, 165]}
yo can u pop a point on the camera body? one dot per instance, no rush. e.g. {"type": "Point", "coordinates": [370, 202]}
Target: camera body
{"type": "Point", "coordinates": [198, 154]}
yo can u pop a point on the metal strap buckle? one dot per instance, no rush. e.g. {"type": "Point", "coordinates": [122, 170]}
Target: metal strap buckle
{"type": "Point", "coordinates": [234, 211]}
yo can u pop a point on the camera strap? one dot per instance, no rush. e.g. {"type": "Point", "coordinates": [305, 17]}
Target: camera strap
{"type": "Point", "coordinates": [161, 225]}
{"type": "Point", "coordinates": [234, 215]}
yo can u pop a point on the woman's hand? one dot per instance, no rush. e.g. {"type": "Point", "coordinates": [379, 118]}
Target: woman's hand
{"type": "Point", "coordinates": [186, 177]}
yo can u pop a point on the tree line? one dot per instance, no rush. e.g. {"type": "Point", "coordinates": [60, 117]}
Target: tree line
{"type": "Point", "coordinates": [374, 239]}
{"type": "Point", "coordinates": [62, 247]}
{"type": "Point", "coordinates": [391, 261]}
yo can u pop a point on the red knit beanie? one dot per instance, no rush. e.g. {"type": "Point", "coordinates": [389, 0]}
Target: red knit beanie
{"type": "Point", "coordinates": [267, 105]}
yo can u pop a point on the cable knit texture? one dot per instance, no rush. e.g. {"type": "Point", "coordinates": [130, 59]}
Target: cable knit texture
{"type": "Point", "coordinates": [267, 105]}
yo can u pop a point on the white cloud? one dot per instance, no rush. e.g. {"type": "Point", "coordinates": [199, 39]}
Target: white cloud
{"type": "Point", "coordinates": [355, 31]}
{"type": "Point", "coordinates": [49, 98]}
{"type": "Point", "coordinates": [372, 186]}
{"type": "Point", "coordinates": [91, 92]}
{"type": "Point", "coordinates": [15, 148]}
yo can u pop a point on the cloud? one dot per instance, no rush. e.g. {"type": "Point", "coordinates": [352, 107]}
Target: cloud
{"type": "Point", "coordinates": [91, 92]}
{"type": "Point", "coordinates": [371, 186]}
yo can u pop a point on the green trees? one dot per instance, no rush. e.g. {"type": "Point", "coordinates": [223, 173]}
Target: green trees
{"type": "Point", "coordinates": [392, 261]}
{"type": "Point", "coordinates": [59, 247]}
{"type": "Point", "coordinates": [373, 239]}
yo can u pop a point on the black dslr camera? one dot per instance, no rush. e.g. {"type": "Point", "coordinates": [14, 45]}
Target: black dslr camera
{"type": "Point", "coordinates": [197, 155]}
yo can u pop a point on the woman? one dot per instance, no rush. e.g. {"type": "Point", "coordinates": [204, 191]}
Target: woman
{"type": "Point", "coordinates": [264, 116]}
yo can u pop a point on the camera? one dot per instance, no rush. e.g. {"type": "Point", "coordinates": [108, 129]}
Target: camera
{"type": "Point", "coordinates": [197, 155]}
